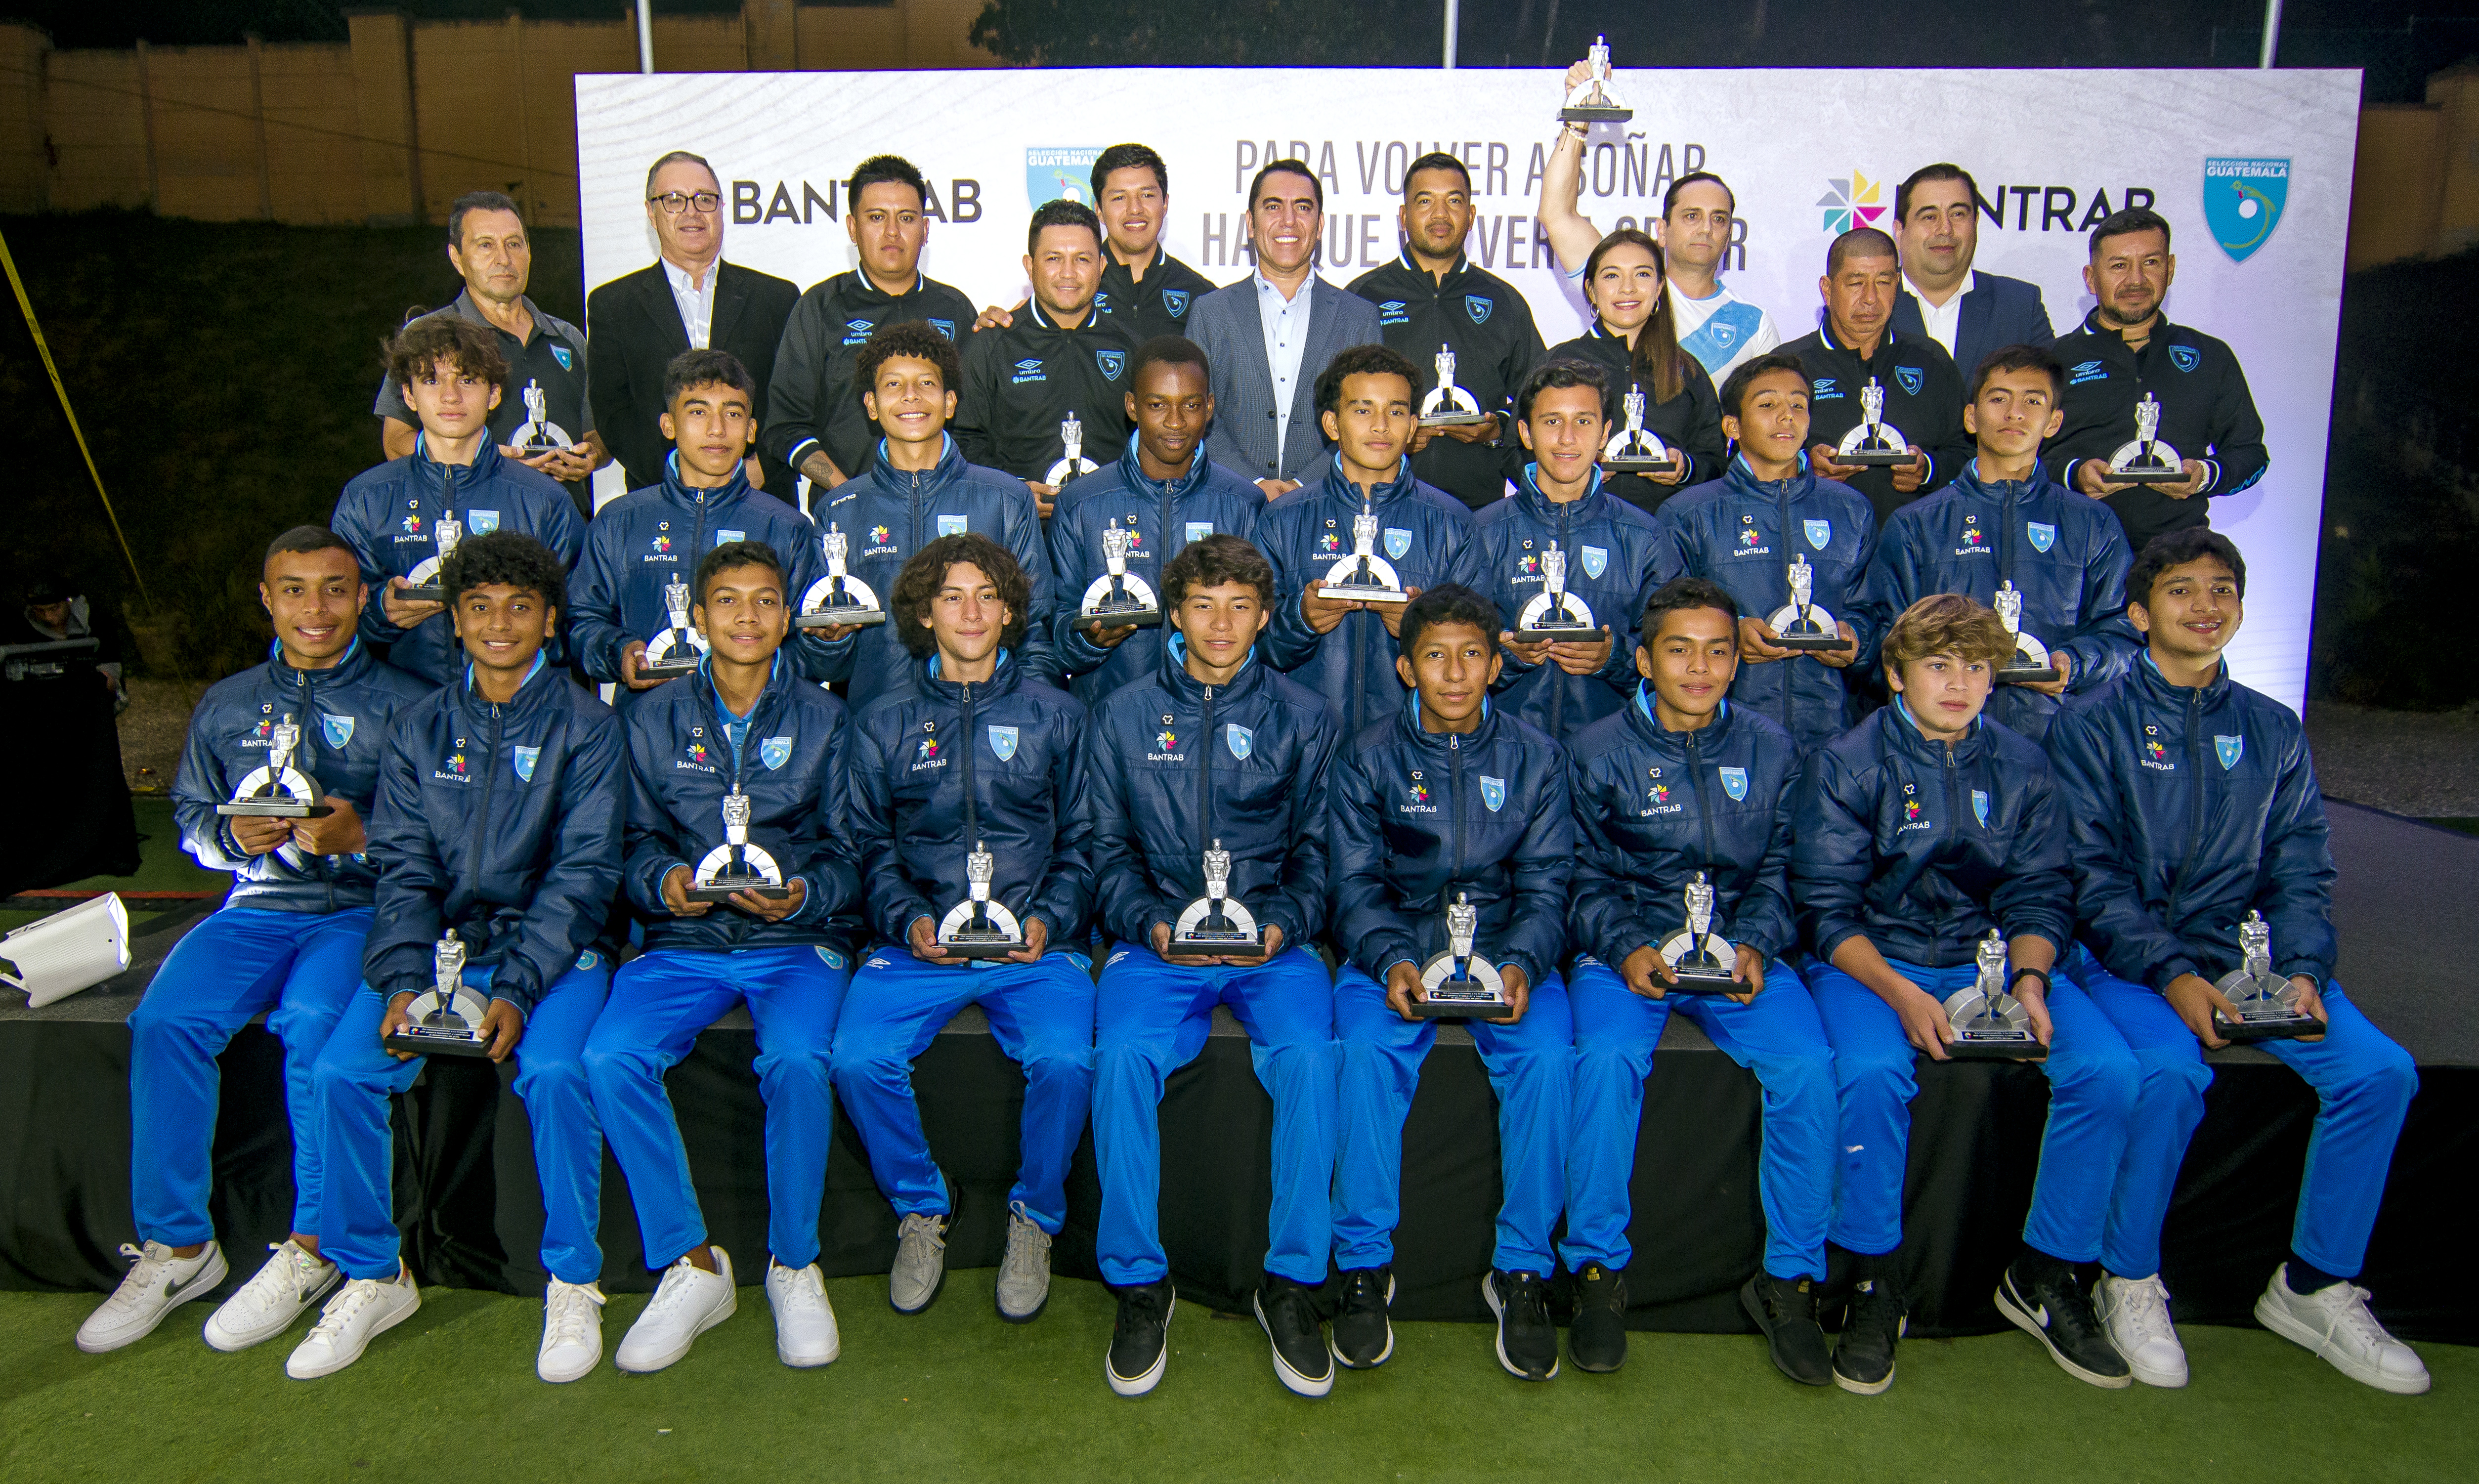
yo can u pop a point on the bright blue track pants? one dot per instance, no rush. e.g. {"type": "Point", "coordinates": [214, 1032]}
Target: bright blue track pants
{"type": "Point", "coordinates": [1531, 1068]}
{"type": "Point", "coordinates": [1042, 1013]}
{"type": "Point", "coordinates": [356, 1075]}
{"type": "Point", "coordinates": [300, 969]}
{"type": "Point", "coordinates": [659, 1005]}
{"type": "Point", "coordinates": [1153, 1018]}
{"type": "Point", "coordinates": [1776, 1035]}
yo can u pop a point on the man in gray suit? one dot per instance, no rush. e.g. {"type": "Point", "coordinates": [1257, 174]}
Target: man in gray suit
{"type": "Point", "coordinates": [1270, 335]}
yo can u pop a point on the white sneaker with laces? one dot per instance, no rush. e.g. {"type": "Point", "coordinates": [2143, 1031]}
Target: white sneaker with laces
{"type": "Point", "coordinates": [2335, 1322]}
{"type": "Point", "coordinates": [362, 1310]}
{"type": "Point", "coordinates": [2135, 1312]}
{"type": "Point", "coordinates": [805, 1322]}
{"type": "Point", "coordinates": [156, 1284]}
{"type": "Point", "coordinates": [571, 1342]}
{"type": "Point", "coordinates": [1024, 1273]}
{"type": "Point", "coordinates": [920, 1263]}
{"type": "Point", "coordinates": [688, 1302]}
{"type": "Point", "coordinates": [278, 1293]}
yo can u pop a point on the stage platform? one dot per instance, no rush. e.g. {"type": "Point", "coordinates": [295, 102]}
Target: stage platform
{"type": "Point", "coordinates": [472, 1217]}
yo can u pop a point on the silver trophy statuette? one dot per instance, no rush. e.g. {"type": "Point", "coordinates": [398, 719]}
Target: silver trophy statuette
{"type": "Point", "coordinates": [446, 1019]}
{"type": "Point", "coordinates": [2266, 1001]}
{"type": "Point", "coordinates": [1874, 441]}
{"type": "Point", "coordinates": [1989, 1024]}
{"type": "Point", "coordinates": [2030, 664]}
{"type": "Point", "coordinates": [1594, 101]}
{"type": "Point", "coordinates": [279, 789]}
{"type": "Point", "coordinates": [2147, 460]}
{"type": "Point", "coordinates": [1461, 982]}
{"type": "Point", "coordinates": [1363, 576]}
{"type": "Point", "coordinates": [1635, 448]}
{"type": "Point", "coordinates": [1448, 405]}
{"type": "Point", "coordinates": [539, 434]}
{"type": "Point", "coordinates": [1119, 599]}
{"type": "Point", "coordinates": [1700, 960]}
{"type": "Point", "coordinates": [1071, 439]}
{"type": "Point", "coordinates": [422, 584]}
{"type": "Point", "coordinates": [736, 865]}
{"type": "Point", "coordinates": [838, 599]}
{"type": "Point", "coordinates": [1214, 923]}
{"type": "Point", "coordinates": [1800, 623]}
{"type": "Point", "coordinates": [1555, 613]}
{"type": "Point", "coordinates": [678, 649]}
{"type": "Point", "coordinates": [980, 926]}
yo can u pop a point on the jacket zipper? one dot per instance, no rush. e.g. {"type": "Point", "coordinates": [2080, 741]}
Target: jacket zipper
{"type": "Point", "coordinates": [2196, 811]}
{"type": "Point", "coordinates": [1204, 769]}
{"type": "Point", "coordinates": [1952, 829]}
{"type": "Point", "coordinates": [482, 816]}
{"type": "Point", "coordinates": [1557, 677]}
{"type": "Point", "coordinates": [1790, 688]}
{"type": "Point", "coordinates": [972, 809]}
{"type": "Point", "coordinates": [1455, 809]}
{"type": "Point", "coordinates": [1704, 801]}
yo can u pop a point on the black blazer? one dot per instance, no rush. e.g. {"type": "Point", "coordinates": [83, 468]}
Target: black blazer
{"type": "Point", "coordinates": [632, 326]}
{"type": "Point", "coordinates": [1998, 312]}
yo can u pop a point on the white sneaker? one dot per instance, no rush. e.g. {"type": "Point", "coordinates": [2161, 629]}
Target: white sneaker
{"type": "Point", "coordinates": [278, 1293]}
{"type": "Point", "coordinates": [362, 1310]}
{"type": "Point", "coordinates": [2334, 1323]}
{"type": "Point", "coordinates": [1024, 1273]}
{"type": "Point", "coordinates": [157, 1284]}
{"type": "Point", "coordinates": [688, 1302]}
{"type": "Point", "coordinates": [805, 1322]}
{"type": "Point", "coordinates": [2135, 1312]}
{"type": "Point", "coordinates": [920, 1263]}
{"type": "Point", "coordinates": [571, 1342]}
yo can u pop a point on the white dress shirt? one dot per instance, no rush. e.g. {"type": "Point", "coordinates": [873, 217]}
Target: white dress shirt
{"type": "Point", "coordinates": [1944, 320]}
{"type": "Point", "coordinates": [696, 300]}
{"type": "Point", "coordinates": [1286, 322]}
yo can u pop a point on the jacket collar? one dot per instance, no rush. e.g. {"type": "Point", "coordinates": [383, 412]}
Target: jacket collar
{"type": "Point", "coordinates": [2162, 329]}
{"type": "Point", "coordinates": [534, 693]}
{"type": "Point", "coordinates": [1742, 480]}
{"type": "Point", "coordinates": [1540, 506]}
{"type": "Point", "coordinates": [1897, 732]}
{"type": "Point", "coordinates": [1131, 473]}
{"type": "Point", "coordinates": [1418, 275]}
{"type": "Point", "coordinates": [1042, 321]}
{"type": "Point", "coordinates": [2157, 689]}
{"type": "Point", "coordinates": [432, 475]}
{"type": "Point", "coordinates": [1885, 343]}
{"type": "Point", "coordinates": [1339, 487]}
{"type": "Point", "coordinates": [1188, 690]}
{"type": "Point", "coordinates": [1407, 721]}
{"type": "Point", "coordinates": [711, 501]}
{"type": "Point", "coordinates": [349, 669]}
{"type": "Point", "coordinates": [953, 691]}
{"type": "Point", "coordinates": [779, 679]}
{"type": "Point", "coordinates": [951, 465]}
{"type": "Point", "coordinates": [866, 291]}
{"type": "Point", "coordinates": [1648, 729]}
{"type": "Point", "coordinates": [1972, 486]}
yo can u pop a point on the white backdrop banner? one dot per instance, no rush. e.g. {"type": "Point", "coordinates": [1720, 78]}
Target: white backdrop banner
{"type": "Point", "coordinates": [2250, 167]}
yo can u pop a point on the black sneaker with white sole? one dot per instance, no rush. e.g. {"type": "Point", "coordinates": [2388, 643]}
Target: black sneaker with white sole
{"type": "Point", "coordinates": [1139, 1342]}
{"type": "Point", "coordinates": [1364, 1331]}
{"type": "Point", "coordinates": [1596, 1337]}
{"type": "Point", "coordinates": [1786, 1309]}
{"type": "Point", "coordinates": [1863, 1360]}
{"type": "Point", "coordinates": [1287, 1312]}
{"type": "Point", "coordinates": [1527, 1342]}
{"type": "Point", "coordinates": [2047, 1300]}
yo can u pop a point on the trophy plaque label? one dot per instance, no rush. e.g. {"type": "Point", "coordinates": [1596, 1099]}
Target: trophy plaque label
{"type": "Point", "coordinates": [1701, 960]}
{"type": "Point", "coordinates": [1362, 576]}
{"type": "Point", "coordinates": [1635, 448]}
{"type": "Point", "coordinates": [2147, 460]}
{"type": "Point", "coordinates": [735, 865]}
{"type": "Point", "coordinates": [1214, 923]}
{"type": "Point", "coordinates": [1594, 101]}
{"type": "Point", "coordinates": [1800, 623]}
{"type": "Point", "coordinates": [1874, 443]}
{"type": "Point", "coordinates": [278, 789]}
{"type": "Point", "coordinates": [1119, 599]}
{"type": "Point", "coordinates": [444, 1019]}
{"type": "Point", "coordinates": [2030, 664]}
{"type": "Point", "coordinates": [676, 650]}
{"type": "Point", "coordinates": [1555, 613]}
{"type": "Point", "coordinates": [980, 926]}
{"type": "Point", "coordinates": [422, 584]}
{"type": "Point", "coordinates": [2266, 1002]}
{"type": "Point", "coordinates": [1988, 1023]}
{"type": "Point", "coordinates": [1448, 405]}
{"type": "Point", "coordinates": [1459, 981]}
{"type": "Point", "coordinates": [838, 599]}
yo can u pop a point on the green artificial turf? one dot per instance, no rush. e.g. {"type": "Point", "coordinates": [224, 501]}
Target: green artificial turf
{"type": "Point", "coordinates": [954, 1394]}
{"type": "Point", "coordinates": [163, 866]}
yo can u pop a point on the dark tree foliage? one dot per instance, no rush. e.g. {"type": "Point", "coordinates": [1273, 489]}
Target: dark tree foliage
{"type": "Point", "coordinates": [1184, 32]}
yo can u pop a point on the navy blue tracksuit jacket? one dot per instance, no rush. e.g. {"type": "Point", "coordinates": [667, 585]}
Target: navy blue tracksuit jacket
{"type": "Point", "coordinates": [1611, 549]}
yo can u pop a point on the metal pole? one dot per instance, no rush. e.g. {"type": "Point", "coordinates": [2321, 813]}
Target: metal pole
{"type": "Point", "coordinates": [1454, 11]}
{"type": "Point", "coordinates": [646, 36]}
{"type": "Point", "coordinates": [2271, 34]}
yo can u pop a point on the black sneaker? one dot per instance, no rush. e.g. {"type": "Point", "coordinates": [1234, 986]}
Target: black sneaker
{"type": "Point", "coordinates": [1863, 1362]}
{"type": "Point", "coordinates": [1139, 1347]}
{"type": "Point", "coordinates": [2049, 1304]}
{"type": "Point", "coordinates": [1596, 1340]}
{"type": "Point", "coordinates": [1363, 1332]}
{"type": "Point", "coordinates": [1786, 1309]}
{"type": "Point", "coordinates": [1286, 1313]}
{"type": "Point", "coordinates": [1527, 1342]}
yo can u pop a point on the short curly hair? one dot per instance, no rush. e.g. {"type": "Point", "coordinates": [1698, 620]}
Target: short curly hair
{"type": "Point", "coordinates": [917, 585]}
{"type": "Point", "coordinates": [474, 349]}
{"type": "Point", "coordinates": [505, 557]}
{"type": "Point", "coordinates": [1947, 623]}
{"type": "Point", "coordinates": [914, 338]}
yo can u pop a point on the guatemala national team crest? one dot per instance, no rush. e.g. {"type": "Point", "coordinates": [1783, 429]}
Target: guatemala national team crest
{"type": "Point", "coordinates": [1397, 542]}
{"type": "Point", "coordinates": [1113, 362]}
{"type": "Point", "coordinates": [946, 327]}
{"type": "Point", "coordinates": [951, 525]}
{"type": "Point", "coordinates": [482, 523]}
{"type": "Point", "coordinates": [2043, 535]}
{"type": "Point", "coordinates": [1198, 530]}
{"type": "Point", "coordinates": [1912, 377]}
{"type": "Point", "coordinates": [775, 751]}
{"type": "Point", "coordinates": [2243, 202]}
{"type": "Point", "coordinates": [1060, 172]}
{"type": "Point", "coordinates": [1003, 742]}
{"type": "Point", "coordinates": [2230, 750]}
{"type": "Point", "coordinates": [1493, 792]}
{"type": "Point", "coordinates": [1175, 303]}
{"type": "Point", "coordinates": [566, 358]}
{"type": "Point", "coordinates": [337, 730]}
{"type": "Point", "coordinates": [1597, 560]}
{"type": "Point", "coordinates": [1242, 740]}
{"type": "Point", "coordinates": [2185, 357]}
{"type": "Point", "coordinates": [1980, 805]}
{"type": "Point", "coordinates": [1734, 782]}
{"type": "Point", "coordinates": [526, 758]}
{"type": "Point", "coordinates": [1820, 533]}
{"type": "Point", "coordinates": [1478, 306]}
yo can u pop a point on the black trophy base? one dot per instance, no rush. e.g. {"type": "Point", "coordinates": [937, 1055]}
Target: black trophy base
{"type": "Point", "coordinates": [667, 669]}
{"type": "Point", "coordinates": [969, 944]}
{"type": "Point", "coordinates": [2147, 476]}
{"type": "Point", "coordinates": [2027, 675]}
{"type": "Point", "coordinates": [723, 888]}
{"type": "Point", "coordinates": [1876, 458]}
{"type": "Point", "coordinates": [1454, 419]}
{"type": "Point", "coordinates": [1595, 112]}
{"type": "Point", "coordinates": [1812, 643]}
{"type": "Point", "coordinates": [535, 449]}
{"type": "Point", "coordinates": [1705, 978]}
{"type": "Point", "coordinates": [2283, 1026]}
{"type": "Point", "coordinates": [1355, 592]}
{"type": "Point", "coordinates": [1467, 1000]}
{"type": "Point", "coordinates": [423, 592]}
{"type": "Point", "coordinates": [1207, 942]}
{"type": "Point", "coordinates": [1122, 618]}
{"type": "Point", "coordinates": [840, 618]}
{"type": "Point", "coordinates": [1637, 464]}
{"type": "Point", "coordinates": [458, 1041]}
{"type": "Point", "coordinates": [289, 808]}
{"type": "Point", "coordinates": [1983, 1046]}
{"type": "Point", "coordinates": [1531, 632]}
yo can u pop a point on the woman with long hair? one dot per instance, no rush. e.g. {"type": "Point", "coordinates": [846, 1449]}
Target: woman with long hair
{"type": "Point", "coordinates": [1635, 336]}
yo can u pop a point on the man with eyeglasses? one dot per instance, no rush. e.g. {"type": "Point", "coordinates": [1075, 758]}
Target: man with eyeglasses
{"type": "Point", "coordinates": [546, 401]}
{"type": "Point", "coordinates": [689, 298]}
